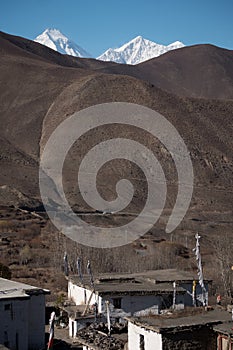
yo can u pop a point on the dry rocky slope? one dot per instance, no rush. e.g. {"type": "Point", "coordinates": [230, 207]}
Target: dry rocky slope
{"type": "Point", "coordinates": [40, 88]}
{"type": "Point", "coordinates": [202, 71]}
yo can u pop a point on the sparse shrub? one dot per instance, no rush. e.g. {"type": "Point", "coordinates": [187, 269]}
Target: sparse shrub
{"type": "Point", "coordinates": [25, 255]}
{"type": "Point", "coordinates": [5, 272]}
{"type": "Point", "coordinates": [60, 300]}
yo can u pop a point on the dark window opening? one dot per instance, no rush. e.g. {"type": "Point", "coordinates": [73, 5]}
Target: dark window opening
{"type": "Point", "coordinates": [142, 342]}
{"type": "Point", "coordinates": [117, 303]}
{"type": "Point", "coordinates": [7, 307]}
{"type": "Point", "coordinates": [167, 301]}
{"type": "Point", "coordinates": [6, 341]}
{"type": "Point", "coordinates": [17, 341]}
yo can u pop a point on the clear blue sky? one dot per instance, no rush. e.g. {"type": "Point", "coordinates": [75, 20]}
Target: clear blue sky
{"type": "Point", "coordinates": [97, 25]}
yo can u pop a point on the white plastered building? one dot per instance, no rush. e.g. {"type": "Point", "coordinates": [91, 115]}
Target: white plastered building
{"type": "Point", "coordinates": [136, 294]}
{"type": "Point", "coordinates": [22, 315]}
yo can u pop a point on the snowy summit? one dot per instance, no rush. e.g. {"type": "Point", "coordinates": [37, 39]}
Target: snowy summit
{"type": "Point", "coordinates": [135, 51]}
{"type": "Point", "coordinates": [138, 50]}
{"type": "Point", "coordinates": [57, 41]}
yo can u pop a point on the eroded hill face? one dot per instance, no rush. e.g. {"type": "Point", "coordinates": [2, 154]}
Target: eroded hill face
{"type": "Point", "coordinates": [40, 88]}
{"type": "Point", "coordinates": [202, 71]}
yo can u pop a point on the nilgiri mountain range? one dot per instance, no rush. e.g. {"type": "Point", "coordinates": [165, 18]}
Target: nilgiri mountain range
{"type": "Point", "coordinates": [135, 51]}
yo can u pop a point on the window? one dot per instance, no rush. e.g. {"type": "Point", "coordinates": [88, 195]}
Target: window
{"type": "Point", "coordinates": [17, 341]}
{"type": "Point", "coordinates": [7, 307]}
{"type": "Point", "coordinates": [117, 303]}
{"type": "Point", "coordinates": [141, 342]}
{"type": "Point", "coordinates": [6, 341]}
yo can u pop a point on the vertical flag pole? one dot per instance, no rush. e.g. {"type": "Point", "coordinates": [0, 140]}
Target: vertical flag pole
{"type": "Point", "coordinates": [66, 267]}
{"type": "Point", "coordinates": [174, 295]}
{"type": "Point", "coordinates": [194, 293]}
{"type": "Point", "coordinates": [108, 318]}
{"type": "Point", "coordinates": [51, 331]}
{"type": "Point", "coordinates": [90, 273]}
{"type": "Point", "coordinates": [199, 267]}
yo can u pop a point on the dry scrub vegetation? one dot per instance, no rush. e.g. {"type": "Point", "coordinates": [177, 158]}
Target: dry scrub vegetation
{"type": "Point", "coordinates": [33, 250]}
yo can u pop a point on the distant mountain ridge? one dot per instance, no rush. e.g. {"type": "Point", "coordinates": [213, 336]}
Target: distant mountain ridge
{"type": "Point", "coordinates": [133, 52]}
{"type": "Point", "coordinates": [138, 50]}
{"type": "Point", "coordinates": [57, 41]}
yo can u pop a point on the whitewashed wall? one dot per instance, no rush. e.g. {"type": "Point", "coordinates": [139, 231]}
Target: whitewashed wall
{"type": "Point", "coordinates": [24, 321]}
{"type": "Point", "coordinates": [153, 340]}
{"type": "Point", "coordinates": [77, 294]}
{"type": "Point", "coordinates": [14, 323]}
{"type": "Point", "coordinates": [76, 325]}
{"type": "Point", "coordinates": [130, 304]}
{"type": "Point", "coordinates": [136, 305]}
{"type": "Point", "coordinates": [72, 328]}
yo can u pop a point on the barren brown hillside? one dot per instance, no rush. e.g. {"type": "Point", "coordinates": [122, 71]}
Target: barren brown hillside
{"type": "Point", "coordinates": [40, 88]}
{"type": "Point", "coordinates": [203, 71]}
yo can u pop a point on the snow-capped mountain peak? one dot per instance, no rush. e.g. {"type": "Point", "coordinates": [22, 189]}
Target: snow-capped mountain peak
{"type": "Point", "coordinates": [133, 52]}
{"type": "Point", "coordinates": [57, 41]}
{"type": "Point", "coordinates": [138, 50]}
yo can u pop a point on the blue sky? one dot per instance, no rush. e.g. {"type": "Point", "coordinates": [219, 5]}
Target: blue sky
{"type": "Point", "coordinates": [97, 25]}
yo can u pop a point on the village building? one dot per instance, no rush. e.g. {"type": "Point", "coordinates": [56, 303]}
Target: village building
{"type": "Point", "coordinates": [224, 333]}
{"type": "Point", "coordinates": [137, 294]}
{"type": "Point", "coordinates": [22, 315]}
{"type": "Point", "coordinates": [193, 331]}
{"type": "Point", "coordinates": [79, 317]}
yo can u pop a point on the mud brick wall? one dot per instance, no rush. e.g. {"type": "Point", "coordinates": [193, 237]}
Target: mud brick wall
{"type": "Point", "coordinates": [191, 339]}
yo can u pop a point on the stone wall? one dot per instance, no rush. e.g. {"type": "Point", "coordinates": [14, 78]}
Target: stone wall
{"type": "Point", "coordinates": [202, 338]}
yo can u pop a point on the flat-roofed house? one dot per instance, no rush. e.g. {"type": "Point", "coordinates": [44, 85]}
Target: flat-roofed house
{"type": "Point", "coordinates": [224, 334]}
{"type": "Point", "coordinates": [183, 279]}
{"type": "Point", "coordinates": [190, 331]}
{"type": "Point", "coordinates": [135, 294]}
{"type": "Point", "coordinates": [22, 315]}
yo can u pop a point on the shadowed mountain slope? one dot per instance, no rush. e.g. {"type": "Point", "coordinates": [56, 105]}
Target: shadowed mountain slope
{"type": "Point", "coordinates": [204, 71]}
